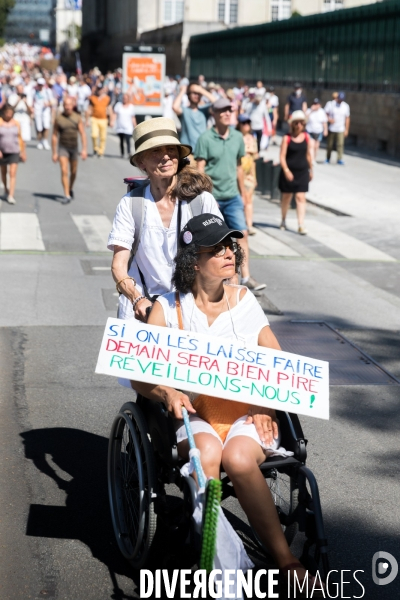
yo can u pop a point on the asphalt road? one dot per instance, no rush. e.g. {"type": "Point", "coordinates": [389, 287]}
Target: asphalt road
{"type": "Point", "coordinates": [55, 413]}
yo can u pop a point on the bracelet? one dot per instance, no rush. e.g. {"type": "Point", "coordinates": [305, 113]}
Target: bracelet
{"type": "Point", "coordinates": [123, 279]}
{"type": "Point", "coordinates": [136, 300]}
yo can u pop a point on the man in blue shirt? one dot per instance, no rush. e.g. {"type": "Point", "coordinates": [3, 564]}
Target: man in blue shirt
{"type": "Point", "coordinates": [193, 117]}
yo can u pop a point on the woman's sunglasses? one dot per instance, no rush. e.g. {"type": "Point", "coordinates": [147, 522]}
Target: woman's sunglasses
{"type": "Point", "coordinates": [220, 249]}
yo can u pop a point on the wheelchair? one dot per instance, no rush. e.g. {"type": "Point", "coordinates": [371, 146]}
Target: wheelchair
{"type": "Point", "coordinates": [143, 458]}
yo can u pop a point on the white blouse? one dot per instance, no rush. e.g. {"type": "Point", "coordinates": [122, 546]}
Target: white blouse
{"type": "Point", "coordinates": [242, 323]}
{"type": "Point", "coordinates": [158, 245]}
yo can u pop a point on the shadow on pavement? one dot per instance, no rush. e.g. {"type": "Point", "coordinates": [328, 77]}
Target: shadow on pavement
{"type": "Point", "coordinates": [82, 457]}
{"type": "Point", "coordinates": [54, 197]}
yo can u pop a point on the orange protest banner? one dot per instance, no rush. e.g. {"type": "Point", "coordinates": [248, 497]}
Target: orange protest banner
{"type": "Point", "coordinates": [143, 78]}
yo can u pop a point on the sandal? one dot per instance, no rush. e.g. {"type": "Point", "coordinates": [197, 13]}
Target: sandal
{"type": "Point", "coordinates": [318, 593]}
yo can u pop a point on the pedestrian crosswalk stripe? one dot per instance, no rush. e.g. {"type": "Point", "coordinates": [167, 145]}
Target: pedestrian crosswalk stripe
{"type": "Point", "coordinates": [94, 229]}
{"type": "Point", "coordinates": [20, 231]}
{"type": "Point", "coordinates": [344, 244]}
{"type": "Point", "coordinates": [267, 245]}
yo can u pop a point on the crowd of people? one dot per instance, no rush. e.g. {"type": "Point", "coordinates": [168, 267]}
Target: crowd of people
{"type": "Point", "coordinates": [245, 118]}
{"type": "Point", "coordinates": [180, 250]}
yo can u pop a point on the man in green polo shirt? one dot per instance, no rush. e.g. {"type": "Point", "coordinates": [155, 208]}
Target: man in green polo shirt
{"type": "Point", "coordinates": [219, 152]}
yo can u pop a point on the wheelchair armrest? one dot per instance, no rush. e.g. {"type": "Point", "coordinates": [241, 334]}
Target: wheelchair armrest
{"type": "Point", "coordinates": [292, 435]}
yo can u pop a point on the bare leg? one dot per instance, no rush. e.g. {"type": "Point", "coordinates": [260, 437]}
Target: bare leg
{"type": "Point", "coordinates": [285, 202]}
{"type": "Point", "coordinates": [211, 452]}
{"type": "Point", "coordinates": [241, 458]}
{"type": "Point", "coordinates": [312, 148]}
{"type": "Point", "coordinates": [45, 134]}
{"type": "Point", "coordinates": [4, 178]}
{"type": "Point", "coordinates": [64, 163]}
{"type": "Point", "coordinates": [301, 207]}
{"type": "Point", "coordinates": [316, 148]}
{"type": "Point", "coordinates": [248, 207]}
{"type": "Point", "coordinates": [13, 179]}
{"type": "Point", "coordinates": [73, 166]}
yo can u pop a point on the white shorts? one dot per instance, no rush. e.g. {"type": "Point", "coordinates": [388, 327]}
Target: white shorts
{"type": "Point", "coordinates": [43, 119]}
{"type": "Point", "coordinates": [198, 425]}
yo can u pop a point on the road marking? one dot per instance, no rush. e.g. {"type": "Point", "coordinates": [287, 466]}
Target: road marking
{"type": "Point", "coordinates": [266, 245]}
{"type": "Point", "coordinates": [20, 231]}
{"type": "Point", "coordinates": [101, 268]}
{"type": "Point", "coordinates": [94, 229]}
{"type": "Point", "coordinates": [343, 243]}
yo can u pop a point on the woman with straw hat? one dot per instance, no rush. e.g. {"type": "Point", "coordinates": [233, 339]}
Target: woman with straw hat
{"type": "Point", "coordinates": [166, 201]}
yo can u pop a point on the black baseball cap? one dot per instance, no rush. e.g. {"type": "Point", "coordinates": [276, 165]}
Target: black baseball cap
{"type": "Point", "coordinates": [206, 230]}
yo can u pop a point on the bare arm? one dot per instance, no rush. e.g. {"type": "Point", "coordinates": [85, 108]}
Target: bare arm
{"type": "Point", "coordinates": [309, 159]}
{"type": "Point", "coordinates": [173, 399]}
{"type": "Point", "coordinates": [201, 165]}
{"type": "Point", "coordinates": [287, 172]}
{"type": "Point", "coordinates": [54, 142]}
{"type": "Point", "coordinates": [304, 107]}
{"type": "Point", "coordinates": [119, 270]}
{"type": "Point", "coordinates": [347, 127]}
{"type": "Point", "coordinates": [21, 143]}
{"type": "Point", "coordinates": [286, 116]}
{"type": "Point", "coordinates": [176, 107]}
{"type": "Point", "coordinates": [82, 133]}
{"type": "Point", "coordinates": [275, 116]}
{"type": "Point", "coordinates": [200, 90]}
{"type": "Point", "coordinates": [240, 178]}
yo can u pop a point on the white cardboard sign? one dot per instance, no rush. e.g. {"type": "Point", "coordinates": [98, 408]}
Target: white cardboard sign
{"type": "Point", "coordinates": [215, 366]}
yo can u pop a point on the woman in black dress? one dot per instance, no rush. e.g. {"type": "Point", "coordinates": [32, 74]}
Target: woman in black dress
{"type": "Point", "coordinates": [296, 163]}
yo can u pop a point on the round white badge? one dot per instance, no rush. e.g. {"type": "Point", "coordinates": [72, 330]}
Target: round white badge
{"type": "Point", "coordinates": [187, 237]}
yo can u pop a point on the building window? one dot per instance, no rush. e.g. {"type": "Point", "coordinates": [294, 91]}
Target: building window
{"type": "Point", "coordinates": [281, 9]}
{"type": "Point", "coordinates": [228, 11]}
{"type": "Point", "coordinates": [330, 5]}
{"type": "Point", "coordinates": [173, 11]}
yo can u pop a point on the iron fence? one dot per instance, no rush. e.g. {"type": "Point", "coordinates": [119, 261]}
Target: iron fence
{"type": "Point", "coordinates": [353, 49]}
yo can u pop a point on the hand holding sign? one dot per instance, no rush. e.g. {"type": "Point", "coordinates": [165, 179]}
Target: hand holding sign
{"type": "Point", "coordinates": [213, 366]}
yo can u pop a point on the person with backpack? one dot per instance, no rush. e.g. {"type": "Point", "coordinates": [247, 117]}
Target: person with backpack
{"type": "Point", "coordinates": [149, 219]}
{"type": "Point", "coordinates": [296, 173]}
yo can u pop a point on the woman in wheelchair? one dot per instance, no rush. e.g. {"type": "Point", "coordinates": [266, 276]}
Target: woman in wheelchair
{"type": "Point", "coordinates": [236, 436]}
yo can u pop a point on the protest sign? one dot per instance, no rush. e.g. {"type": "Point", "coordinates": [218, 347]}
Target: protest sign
{"type": "Point", "coordinates": [215, 366]}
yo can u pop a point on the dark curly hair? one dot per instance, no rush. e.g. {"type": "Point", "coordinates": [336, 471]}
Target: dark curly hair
{"type": "Point", "coordinates": [185, 260]}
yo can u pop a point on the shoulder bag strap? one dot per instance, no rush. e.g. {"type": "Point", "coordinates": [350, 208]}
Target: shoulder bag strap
{"type": "Point", "coordinates": [196, 206]}
{"type": "Point", "coordinates": [137, 210]}
{"type": "Point", "coordinates": [179, 310]}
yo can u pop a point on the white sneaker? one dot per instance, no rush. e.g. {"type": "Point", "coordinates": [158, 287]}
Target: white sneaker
{"type": "Point", "coordinates": [46, 145]}
{"type": "Point", "coordinates": [39, 146]}
{"type": "Point", "coordinates": [11, 200]}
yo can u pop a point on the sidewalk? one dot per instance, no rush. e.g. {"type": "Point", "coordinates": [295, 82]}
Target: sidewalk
{"type": "Point", "coordinates": [363, 188]}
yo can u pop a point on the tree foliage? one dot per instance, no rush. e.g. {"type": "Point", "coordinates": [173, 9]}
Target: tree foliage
{"type": "Point", "coordinates": [5, 7]}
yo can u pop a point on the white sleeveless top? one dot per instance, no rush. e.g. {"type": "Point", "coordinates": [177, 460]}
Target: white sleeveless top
{"type": "Point", "coordinates": [241, 323]}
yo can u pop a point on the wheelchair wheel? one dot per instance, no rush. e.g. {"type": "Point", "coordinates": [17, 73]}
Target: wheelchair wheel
{"type": "Point", "coordinates": [285, 496]}
{"type": "Point", "coordinates": [131, 484]}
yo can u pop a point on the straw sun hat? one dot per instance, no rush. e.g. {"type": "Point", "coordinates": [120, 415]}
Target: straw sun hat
{"type": "Point", "coordinates": [155, 133]}
{"type": "Point", "coordinates": [297, 115]}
